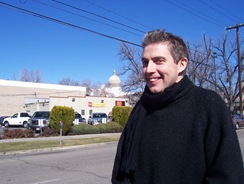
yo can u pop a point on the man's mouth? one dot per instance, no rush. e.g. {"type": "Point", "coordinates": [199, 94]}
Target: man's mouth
{"type": "Point", "coordinates": [153, 79]}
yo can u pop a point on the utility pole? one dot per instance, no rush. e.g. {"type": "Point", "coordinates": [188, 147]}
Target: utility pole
{"type": "Point", "coordinates": [239, 62]}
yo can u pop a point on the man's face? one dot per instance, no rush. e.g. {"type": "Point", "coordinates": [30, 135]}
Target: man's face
{"type": "Point", "coordinates": [159, 69]}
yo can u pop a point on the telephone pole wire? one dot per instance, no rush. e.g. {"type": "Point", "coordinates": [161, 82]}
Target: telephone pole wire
{"type": "Point", "coordinates": [239, 62]}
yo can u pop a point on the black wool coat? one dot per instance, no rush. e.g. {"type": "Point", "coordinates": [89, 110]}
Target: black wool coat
{"type": "Point", "coordinates": [184, 135]}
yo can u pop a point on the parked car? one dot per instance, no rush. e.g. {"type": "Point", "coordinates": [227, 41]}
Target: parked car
{"type": "Point", "coordinates": [97, 117]}
{"type": "Point", "coordinates": [18, 119]}
{"type": "Point", "coordinates": [39, 120]}
{"type": "Point", "coordinates": [78, 119]}
{"type": "Point", "coordinates": [238, 120]}
{"type": "Point", "coordinates": [1, 119]}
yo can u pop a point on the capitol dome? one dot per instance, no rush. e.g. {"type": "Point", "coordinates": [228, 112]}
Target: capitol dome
{"type": "Point", "coordinates": [113, 87]}
{"type": "Point", "coordinates": [114, 80]}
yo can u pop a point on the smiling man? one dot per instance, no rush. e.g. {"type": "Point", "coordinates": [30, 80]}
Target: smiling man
{"type": "Point", "coordinates": [177, 133]}
{"type": "Point", "coordinates": [160, 69]}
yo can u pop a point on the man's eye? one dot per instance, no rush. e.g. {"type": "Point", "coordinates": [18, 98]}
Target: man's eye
{"type": "Point", "coordinates": [158, 61]}
{"type": "Point", "coordinates": [144, 62]}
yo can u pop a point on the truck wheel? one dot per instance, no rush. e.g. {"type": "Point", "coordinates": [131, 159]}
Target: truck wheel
{"type": "Point", "coordinates": [25, 124]}
{"type": "Point", "coordinates": [6, 124]}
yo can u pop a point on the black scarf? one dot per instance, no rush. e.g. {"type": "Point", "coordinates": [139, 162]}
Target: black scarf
{"type": "Point", "coordinates": [127, 153]}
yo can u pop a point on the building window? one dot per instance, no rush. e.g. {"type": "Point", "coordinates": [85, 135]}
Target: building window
{"type": "Point", "coordinates": [119, 103]}
{"type": "Point", "coordinates": [102, 101]}
{"type": "Point", "coordinates": [90, 112]}
{"type": "Point", "coordinates": [83, 112]}
{"type": "Point", "coordinates": [73, 99]}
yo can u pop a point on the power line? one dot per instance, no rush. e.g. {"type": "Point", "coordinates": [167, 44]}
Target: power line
{"type": "Point", "coordinates": [220, 11]}
{"type": "Point", "coordinates": [198, 11]}
{"type": "Point", "coordinates": [22, 1]}
{"type": "Point", "coordinates": [68, 24]}
{"type": "Point", "coordinates": [218, 5]}
{"type": "Point", "coordinates": [84, 17]}
{"type": "Point", "coordinates": [117, 14]}
{"type": "Point", "coordinates": [205, 16]}
{"type": "Point", "coordinates": [216, 10]}
{"type": "Point", "coordinates": [218, 23]}
{"type": "Point", "coordinates": [74, 7]}
{"type": "Point", "coordinates": [64, 23]}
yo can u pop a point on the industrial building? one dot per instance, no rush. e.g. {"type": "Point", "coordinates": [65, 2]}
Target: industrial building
{"type": "Point", "coordinates": [17, 96]}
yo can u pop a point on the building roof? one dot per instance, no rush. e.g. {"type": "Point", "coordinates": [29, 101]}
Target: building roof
{"type": "Point", "coordinates": [40, 85]}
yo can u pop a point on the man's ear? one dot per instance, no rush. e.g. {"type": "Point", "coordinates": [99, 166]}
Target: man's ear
{"type": "Point", "coordinates": [182, 65]}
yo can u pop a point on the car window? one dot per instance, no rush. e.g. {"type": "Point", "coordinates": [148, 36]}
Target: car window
{"type": "Point", "coordinates": [95, 115]}
{"type": "Point", "coordinates": [15, 115]}
{"type": "Point", "coordinates": [99, 115]}
{"type": "Point", "coordinates": [24, 115]}
{"type": "Point", "coordinates": [41, 115]}
{"type": "Point", "coordinates": [77, 116]}
{"type": "Point", "coordinates": [103, 115]}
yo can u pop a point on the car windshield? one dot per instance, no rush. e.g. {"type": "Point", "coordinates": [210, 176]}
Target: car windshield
{"type": "Point", "coordinates": [77, 116]}
{"type": "Point", "coordinates": [99, 115]}
{"type": "Point", "coordinates": [24, 115]}
{"type": "Point", "coordinates": [41, 115]}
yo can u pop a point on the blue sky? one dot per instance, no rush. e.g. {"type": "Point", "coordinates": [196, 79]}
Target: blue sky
{"type": "Point", "coordinates": [59, 51]}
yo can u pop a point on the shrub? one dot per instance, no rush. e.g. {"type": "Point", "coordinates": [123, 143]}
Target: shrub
{"type": "Point", "coordinates": [110, 127]}
{"type": "Point", "coordinates": [62, 114]}
{"type": "Point", "coordinates": [121, 114]}
{"type": "Point", "coordinates": [18, 133]}
{"type": "Point", "coordinates": [113, 127]}
{"type": "Point", "coordinates": [84, 129]}
{"type": "Point", "coordinates": [102, 127]}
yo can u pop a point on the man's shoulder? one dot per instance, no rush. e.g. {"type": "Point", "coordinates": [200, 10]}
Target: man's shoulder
{"type": "Point", "coordinates": [206, 96]}
{"type": "Point", "coordinates": [203, 92]}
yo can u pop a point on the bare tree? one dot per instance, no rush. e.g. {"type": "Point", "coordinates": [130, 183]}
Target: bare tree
{"type": "Point", "coordinates": [200, 67]}
{"type": "Point", "coordinates": [93, 89]}
{"type": "Point", "coordinates": [68, 81]}
{"type": "Point", "coordinates": [87, 83]}
{"type": "Point", "coordinates": [132, 67]}
{"type": "Point", "coordinates": [215, 66]}
{"type": "Point", "coordinates": [30, 76]}
{"type": "Point", "coordinates": [227, 70]}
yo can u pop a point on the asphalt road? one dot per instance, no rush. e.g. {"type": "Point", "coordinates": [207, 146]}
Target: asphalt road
{"type": "Point", "coordinates": [84, 165]}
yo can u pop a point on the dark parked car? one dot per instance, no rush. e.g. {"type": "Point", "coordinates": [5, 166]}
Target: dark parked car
{"type": "Point", "coordinates": [238, 120]}
{"type": "Point", "coordinates": [1, 119]}
{"type": "Point", "coordinates": [39, 120]}
{"type": "Point", "coordinates": [78, 119]}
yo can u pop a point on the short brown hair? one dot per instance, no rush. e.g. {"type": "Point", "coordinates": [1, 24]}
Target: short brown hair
{"type": "Point", "coordinates": [177, 46]}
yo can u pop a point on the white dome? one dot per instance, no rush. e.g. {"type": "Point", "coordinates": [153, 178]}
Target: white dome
{"type": "Point", "coordinates": [114, 79]}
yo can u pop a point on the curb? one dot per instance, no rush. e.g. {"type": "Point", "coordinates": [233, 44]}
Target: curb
{"type": "Point", "coordinates": [44, 150]}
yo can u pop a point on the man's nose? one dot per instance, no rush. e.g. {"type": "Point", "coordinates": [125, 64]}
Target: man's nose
{"type": "Point", "coordinates": [150, 67]}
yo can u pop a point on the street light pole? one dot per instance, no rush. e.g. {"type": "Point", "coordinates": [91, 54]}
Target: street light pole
{"type": "Point", "coordinates": [215, 77]}
{"type": "Point", "coordinates": [239, 63]}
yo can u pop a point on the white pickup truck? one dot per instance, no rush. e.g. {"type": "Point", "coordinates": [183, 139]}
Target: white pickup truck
{"type": "Point", "coordinates": [20, 118]}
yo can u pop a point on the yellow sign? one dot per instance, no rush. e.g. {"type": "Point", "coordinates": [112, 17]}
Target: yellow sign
{"type": "Point", "coordinates": [96, 104]}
